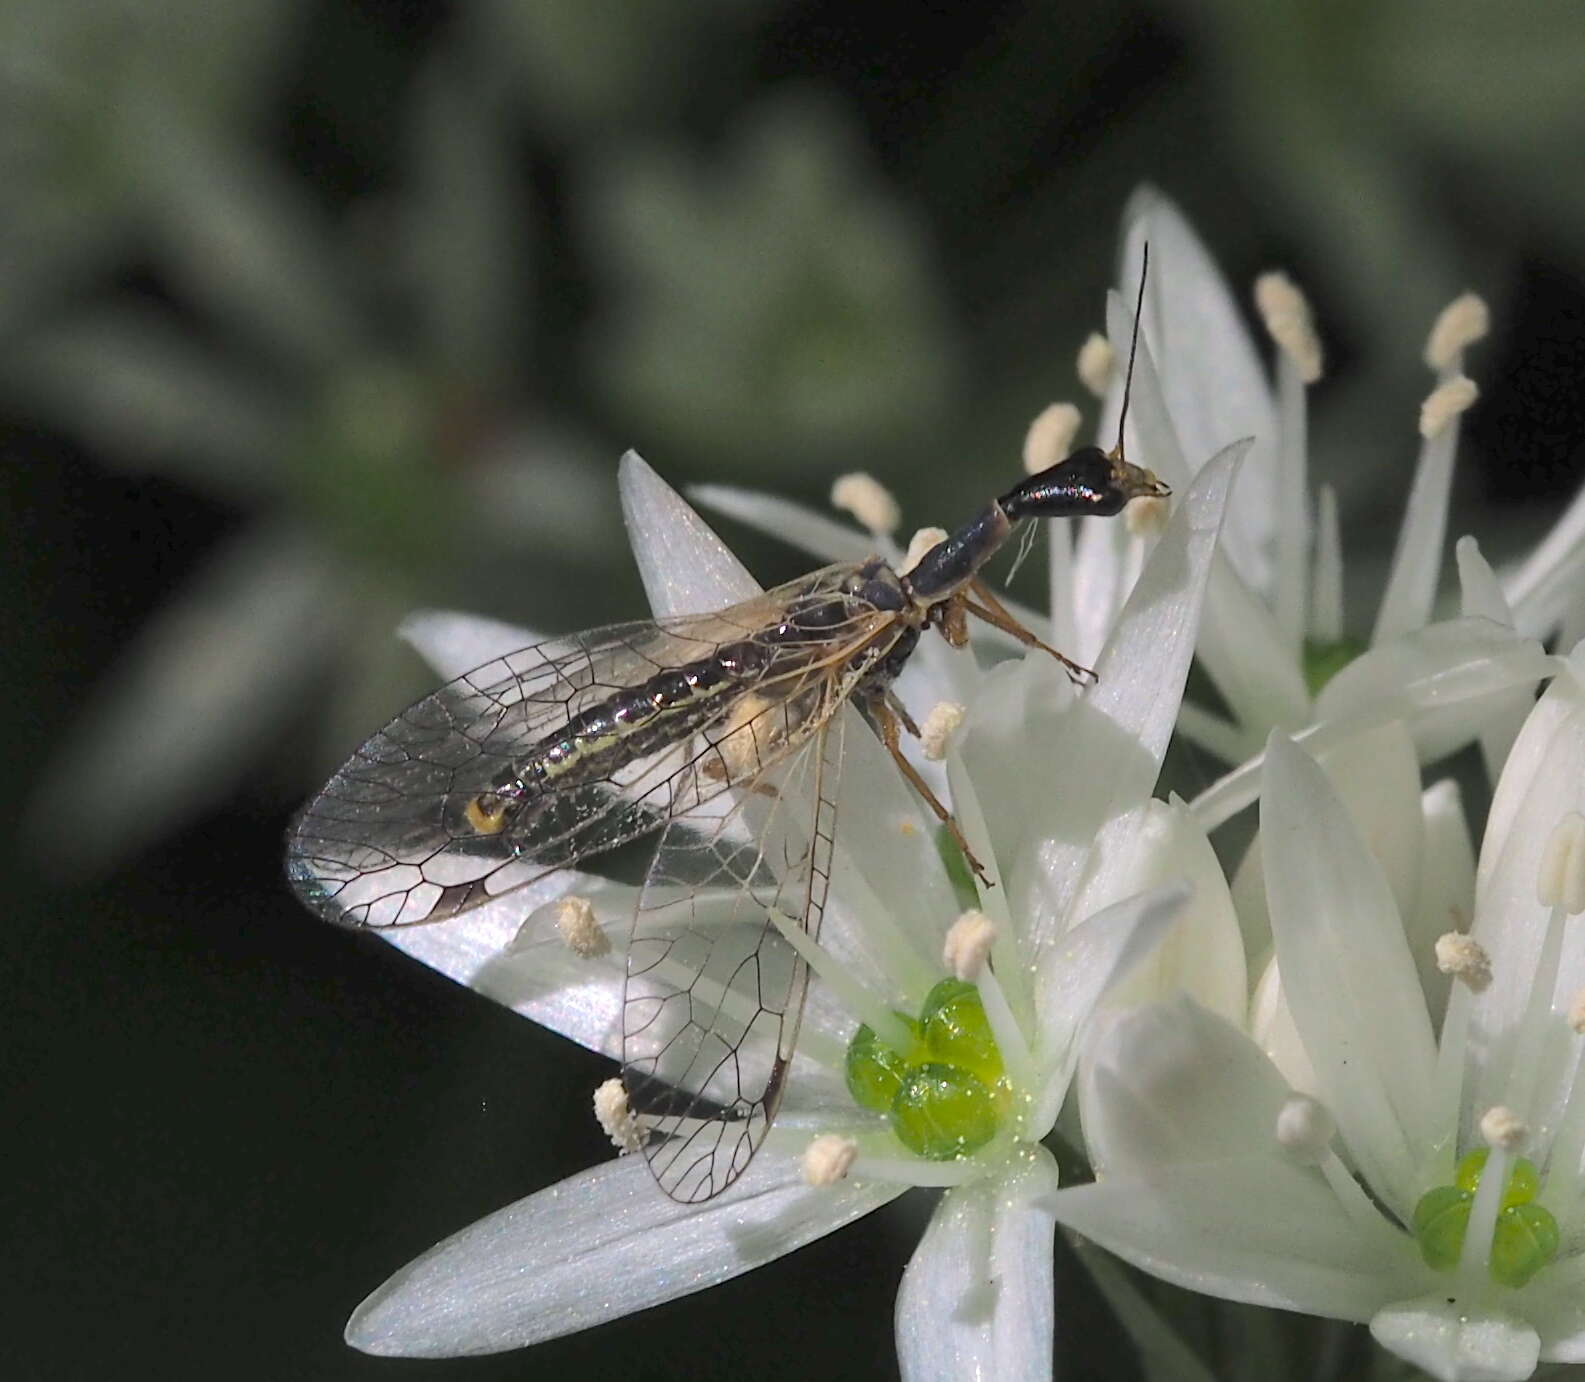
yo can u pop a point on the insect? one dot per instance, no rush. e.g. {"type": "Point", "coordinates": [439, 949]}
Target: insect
{"type": "Point", "coordinates": [720, 732]}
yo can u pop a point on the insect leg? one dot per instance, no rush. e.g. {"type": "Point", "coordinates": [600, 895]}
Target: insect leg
{"type": "Point", "coordinates": [885, 719]}
{"type": "Point", "coordinates": [901, 712]}
{"type": "Point", "coordinates": [995, 613]}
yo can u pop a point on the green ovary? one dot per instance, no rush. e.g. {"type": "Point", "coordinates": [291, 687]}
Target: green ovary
{"type": "Point", "coordinates": [1524, 1240]}
{"type": "Point", "coordinates": [941, 1112]}
{"type": "Point", "coordinates": [1323, 661]}
{"type": "Point", "coordinates": [946, 1095]}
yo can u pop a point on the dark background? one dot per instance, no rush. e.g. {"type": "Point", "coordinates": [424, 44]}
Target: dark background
{"type": "Point", "coordinates": [379, 292]}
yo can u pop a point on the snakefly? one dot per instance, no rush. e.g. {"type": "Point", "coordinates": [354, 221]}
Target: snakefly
{"type": "Point", "coordinates": [722, 734]}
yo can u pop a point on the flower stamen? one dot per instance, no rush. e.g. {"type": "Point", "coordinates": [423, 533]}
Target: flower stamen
{"type": "Point", "coordinates": [616, 1117]}
{"type": "Point", "coordinates": [1050, 436]}
{"type": "Point", "coordinates": [580, 930]}
{"type": "Point", "coordinates": [867, 500]}
{"type": "Point", "coordinates": [829, 1158]}
{"type": "Point", "coordinates": [1464, 958]}
{"type": "Point", "coordinates": [968, 946]}
{"type": "Point", "coordinates": [1290, 323]}
{"type": "Point", "coordinates": [921, 542]}
{"type": "Point", "coordinates": [1096, 364]}
{"type": "Point", "coordinates": [1305, 1128]}
{"type": "Point", "coordinates": [1458, 326]}
{"type": "Point", "coordinates": [943, 721]}
{"type": "Point", "coordinates": [1445, 403]}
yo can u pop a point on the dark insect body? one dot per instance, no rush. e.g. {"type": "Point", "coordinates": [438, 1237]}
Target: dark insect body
{"type": "Point", "coordinates": [721, 732]}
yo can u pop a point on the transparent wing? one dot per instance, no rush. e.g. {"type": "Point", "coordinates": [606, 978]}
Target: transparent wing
{"type": "Point", "coordinates": [715, 992]}
{"type": "Point", "coordinates": [391, 840]}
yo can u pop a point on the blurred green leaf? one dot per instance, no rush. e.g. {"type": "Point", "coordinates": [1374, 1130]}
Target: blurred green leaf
{"type": "Point", "coordinates": [774, 303]}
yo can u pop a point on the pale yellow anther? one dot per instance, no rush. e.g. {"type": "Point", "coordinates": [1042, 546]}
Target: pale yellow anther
{"type": "Point", "coordinates": [1502, 1127]}
{"type": "Point", "coordinates": [1561, 880]}
{"type": "Point", "coordinates": [829, 1158]}
{"type": "Point", "coordinates": [919, 544]}
{"type": "Point", "coordinates": [968, 946]}
{"type": "Point", "coordinates": [579, 928]}
{"type": "Point", "coordinates": [1459, 325]}
{"type": "Point", "coordinates": [1446, 402]}
{"type": "Point", "coordinates": [1147, 516]}
{"type": "Point", "coordinates": [1050, 437]}
{"type": "Point", "coordinates": [1576, 1013]}
{"type": "Point", "coordinates": [940, 725]}
{"type": "Point", "coordinates": [867, 500]}
{"type": "Point", "coordinates": [1304, 1128]}
{"type": "Point", "coordinates": [1288, 319]}
{"type": "Point", "coordinates": [616, 1118]}
{"type": "Point", "coordinates": [1465, 958]}
{"type": "Point", "coordinates": [1096, 363]}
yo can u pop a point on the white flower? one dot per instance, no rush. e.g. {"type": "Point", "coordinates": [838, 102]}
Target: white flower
{"type": "Point", "coordinates": [1273, 638]}
{"type": "Point", "coordinates": [1273, 619]}
{"type": "Point", "coordinates": [1448, 1210]}
{"type": "Point", "coordinates": [1072, 848]}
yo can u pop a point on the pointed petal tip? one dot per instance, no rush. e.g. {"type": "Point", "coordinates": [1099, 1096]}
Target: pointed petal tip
{"type": "Point", "coordinates": [1455, 1344]}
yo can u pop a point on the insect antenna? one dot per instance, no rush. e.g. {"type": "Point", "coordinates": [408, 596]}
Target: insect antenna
{"type": "Point", "coordinates": [1133, 350]}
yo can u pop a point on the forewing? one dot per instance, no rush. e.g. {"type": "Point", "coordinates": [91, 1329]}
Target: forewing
{"type": "Point", "coordinates": [389, 841]}
{"type": "Point", "coordinates": [715, 992]}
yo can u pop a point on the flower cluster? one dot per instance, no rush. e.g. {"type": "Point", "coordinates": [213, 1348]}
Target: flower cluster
{"type": "Point", "coordinates": [1341, 1082]}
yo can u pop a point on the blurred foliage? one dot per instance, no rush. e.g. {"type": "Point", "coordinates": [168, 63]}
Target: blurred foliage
{"type": "Point", "coordinates": [313, 311]}
{"type": "Point", "coordinates": [394, 285]}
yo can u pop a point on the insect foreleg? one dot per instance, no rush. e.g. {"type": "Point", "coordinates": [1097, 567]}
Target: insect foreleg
{"type": "Point", "coordinates": [900, 710]}
{"type": "Point", "coordinates": [885, 719]}
{"type": "Point", "coordinates": [987, 607]}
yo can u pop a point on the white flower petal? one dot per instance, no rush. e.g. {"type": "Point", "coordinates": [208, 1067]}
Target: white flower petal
{"type": "Point", "coordinates": [1087, 961]}
{"type": "Point", "coordinates": [1377, 778]}
{"type": "Point", "coordinates": [685, 567]}
{"type": "Point", "coordinates": [1245, 654]}
{"type": "Point", "coordinates": [1445, 680]}
{"type": "Point", "coordinates": [1203, 954]}
{"type": "Point", "coordinates": [538, 977]}
{"type": "Point", "coordinates": [1105, 752]}
{"type": "Point", "coordinates": [1254, 1229]}
{"type": "Point", "coordinates": [1550, 575]}
{"type": "Point", "coordinates": [595, 1247]}
{"type": "Point", "coordinates": [782, 518]}
{"type": "Point", "coordinates": [1417, 559]}
{"type": "Point", "coordinates": [1212, 378]}
{"type": "Point", "coordinates": [1542, 782]}
{"type": "Point", "coordinates": [1481, 594]}
{"type": "Point", "coordinates": [976, 1300]}
{"type": "Point", "coordinates": [1447, 888]}
{"type": "Point", "coordinates": [1107, 558]}
{"type": "Point", "coordinates": [453, 643]}
{"type": "Point", "coordinates": [1563, 700]}
{"type": "Point", "coordinates": [1455, 1343]}
{"type": "Point", "coordinates": [1172, 1083]}
{"type": "Point", "coordinates": [1272, 1028]}
{"type": "Point", "coordinates": [1347, 972]}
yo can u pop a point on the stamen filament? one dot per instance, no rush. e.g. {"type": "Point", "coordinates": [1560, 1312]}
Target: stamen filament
{"type": "Point", "coordinates": [861, 1001]}
{"type": "Point", "coordinates": [1351, 1195]}
{"type": "Point", "coordinates": [1017, 1060]}
{"type": "Point", "coordinates": [1474, 1259]}
{"type": "Point", "coordinates": [1563, 1159]}
{"type": "Point", "coordinates": [1522, 1068]}
{"type": "Point", "coordinates": [1293, 557]}
{"type": "Point", "coordinates": [918, 1171]}
{"type": "Point", "coordinates": [1447, 1083]}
